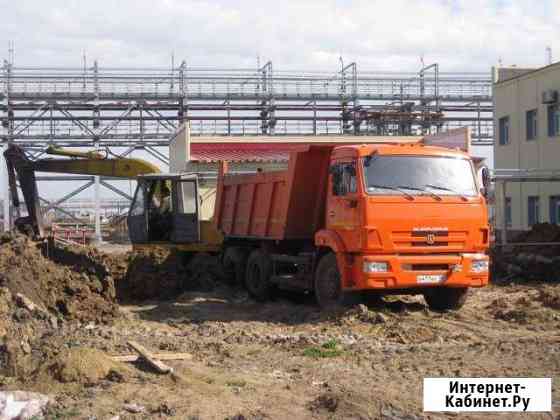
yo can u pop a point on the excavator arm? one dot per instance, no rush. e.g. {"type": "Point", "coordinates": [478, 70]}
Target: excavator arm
{"type": "Point", "coordinates": [21, 169]}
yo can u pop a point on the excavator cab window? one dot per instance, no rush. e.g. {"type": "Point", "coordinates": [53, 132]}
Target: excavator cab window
{"type": "Point", "coordinates": [160, 210]}
{"type": "Point", "coordinates": [185, 218]}
{"type": "Point", "coordinates": [164, 210]}
{"type": "Point", "coordinates": [137, 206]}
{"type": "Point", "coordinates": [137, 216]}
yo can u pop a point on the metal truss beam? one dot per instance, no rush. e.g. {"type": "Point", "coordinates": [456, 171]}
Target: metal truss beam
{"type": "Point", "coordinates": [126, 110]}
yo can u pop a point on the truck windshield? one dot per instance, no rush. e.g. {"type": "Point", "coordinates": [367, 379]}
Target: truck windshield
{"type": "Point", "coordinates": [421, 174]}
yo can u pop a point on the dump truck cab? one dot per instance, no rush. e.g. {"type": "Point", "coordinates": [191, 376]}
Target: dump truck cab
{"type": "Point", "coordinates": [405, 216]}
{"type": "Point", "coordinates": [166, 210]}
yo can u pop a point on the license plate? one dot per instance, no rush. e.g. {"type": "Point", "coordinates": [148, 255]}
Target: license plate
{"type": "Point", "coordinates": [430, 278]}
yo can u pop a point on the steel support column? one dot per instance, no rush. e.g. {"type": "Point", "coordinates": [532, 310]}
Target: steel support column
{"type": "Point", "coordinates": [7, 210]}
{"type": "Point", "coordinates": [98, 237]}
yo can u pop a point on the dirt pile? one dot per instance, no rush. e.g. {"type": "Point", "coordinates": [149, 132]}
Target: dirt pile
{"type": "Point", "coordinates": [83, 365]}
{"type": "Point", "coordinates": [70, 285]}
{"type": "Point", "coordinates": [533, 263]}
{"type": "Point", "coordinates": [550, 298]}
{"type": "Point", "coordinates": [343, 404]}
{"type": "Point", "coordinates": [154, 273]}
{"type": "Point", "coordinates": [542, 232]}
{"type": "Point", "coordinates": [527, 305]}
{"type": "Point", "coordinates": [161, 273]}
{"type": "Point", "coordinates": [38, 295]}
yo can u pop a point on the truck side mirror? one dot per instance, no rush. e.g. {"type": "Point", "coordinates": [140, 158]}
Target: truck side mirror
{"type": "Point", "coordinates": [485, 175]}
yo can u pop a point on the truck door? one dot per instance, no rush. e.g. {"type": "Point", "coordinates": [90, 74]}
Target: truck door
{"type": "Point", "coordinates": [342, 204]}
{"type": "Point", "coordinates": [185, 218]}
{"type": "Point", "coordinates": [137, 219]}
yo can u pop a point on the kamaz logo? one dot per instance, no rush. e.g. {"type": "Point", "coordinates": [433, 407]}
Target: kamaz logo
{"type": "Point", "coordinates": [431, 238]}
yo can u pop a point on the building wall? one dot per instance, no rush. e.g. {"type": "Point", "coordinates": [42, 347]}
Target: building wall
{"type": "Point", "coordinates": [514, 98]}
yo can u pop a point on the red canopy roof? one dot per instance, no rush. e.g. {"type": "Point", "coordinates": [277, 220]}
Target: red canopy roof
{"type": "Point", "coordinates": [242, 152]}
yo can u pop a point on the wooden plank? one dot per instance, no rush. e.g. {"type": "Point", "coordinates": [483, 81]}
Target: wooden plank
{"type": "Point", "coordinates": [149, 358]}
{"type": "Point", "coordinates": [158, 356]}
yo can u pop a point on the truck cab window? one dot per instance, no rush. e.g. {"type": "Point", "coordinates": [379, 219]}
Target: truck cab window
{"type": "Point", "coordinates": [344, 178]}
{"type": "Point", "coordinates": [350, 174]}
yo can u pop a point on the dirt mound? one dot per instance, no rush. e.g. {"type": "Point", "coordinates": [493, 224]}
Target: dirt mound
{"type": "Point", "coordinates": [163, 273]}
{"type": "Point", "coordinates": [549, 298]}
{"type": "Point", "coordinates": [541, 232]}
{"type": "Point", "coordinates": [527, 305]}
{"type": "Point", "coordinates": [504, 310]}
{"type": "Point", "coordinates": [342, 404]}
{"type": "Point", "coordinates": [156, 273]}
{"type": "Point", "coordinates": [39, 294]}
{"type": "Point", "coordinates": [84, 366]}
{"type": "Point", "coordinates": [70, 285]}
{"type": "Point", "coordinates": [533, 263]}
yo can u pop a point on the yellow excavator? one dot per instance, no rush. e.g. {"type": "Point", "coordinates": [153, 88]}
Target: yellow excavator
{"type": "Point", "coordinates": [164, 212]}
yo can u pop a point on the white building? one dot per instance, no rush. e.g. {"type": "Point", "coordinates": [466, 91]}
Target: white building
{"type": "Point", "coordinates": [527, 136]}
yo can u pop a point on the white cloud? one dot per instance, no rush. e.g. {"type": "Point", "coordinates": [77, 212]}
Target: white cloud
{"type": "Point", "coordinates": [378, 34]}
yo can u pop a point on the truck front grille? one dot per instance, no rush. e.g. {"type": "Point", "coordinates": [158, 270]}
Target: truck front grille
{"type": "Point", "coordinates": [414, 240]}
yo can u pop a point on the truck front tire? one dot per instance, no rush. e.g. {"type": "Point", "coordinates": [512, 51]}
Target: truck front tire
{"type": "Point", "coordinates": [446, 298]}
{"type": "Point", "coordinates": [257, 275]}
{"type": "Point", "coordinates": [328, 283]}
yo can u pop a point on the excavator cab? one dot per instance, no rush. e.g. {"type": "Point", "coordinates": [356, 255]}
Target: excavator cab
{"type": "Point", "coordinates": [165, 209]}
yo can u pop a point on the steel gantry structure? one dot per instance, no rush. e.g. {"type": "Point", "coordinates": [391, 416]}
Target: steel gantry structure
{"type": "Point", "coordinates": [125, 110]}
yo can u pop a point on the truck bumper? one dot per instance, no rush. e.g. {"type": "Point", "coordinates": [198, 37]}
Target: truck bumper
{"type": "Point", "coordinates": [417, 271]}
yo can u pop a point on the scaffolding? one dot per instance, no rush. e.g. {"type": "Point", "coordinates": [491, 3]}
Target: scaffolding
{"type": "Point", "coordinates": [127, 110]}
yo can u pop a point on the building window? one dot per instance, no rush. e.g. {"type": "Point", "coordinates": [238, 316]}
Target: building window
{"type": "Point", "coordinates": [532, 124]}
{"type": "Point", "coordinates": [533, 210]}
{"type": "Point", "coordinates": [508, 211]}
{"type": "Point", "coordinates": [554, 210]}
{"type": "Point", "coordinates": [553, 120]}
{"type": "Point", "coordinates": [504, 130]}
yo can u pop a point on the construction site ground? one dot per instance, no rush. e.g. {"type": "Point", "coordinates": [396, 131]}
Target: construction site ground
{"type": "Point", "coordinates": [276, 360]}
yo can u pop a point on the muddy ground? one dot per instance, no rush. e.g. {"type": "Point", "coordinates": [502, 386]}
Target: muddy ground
{"type": "Point", "coordinates": [282, 359]}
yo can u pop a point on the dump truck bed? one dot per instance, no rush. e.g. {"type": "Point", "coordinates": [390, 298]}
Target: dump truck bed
{"type": "Point", "coordinates": [275, 205]}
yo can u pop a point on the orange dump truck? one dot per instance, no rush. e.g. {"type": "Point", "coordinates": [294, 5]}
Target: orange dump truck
{"type": "Point", "coordinates": [391, 218]}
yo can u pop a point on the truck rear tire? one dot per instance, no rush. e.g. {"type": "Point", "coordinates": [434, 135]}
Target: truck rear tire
{"type": "Point", "coordinates": [257, 275]}
{"type": "Point", "coordinates": [328, 283]}
{"type": "Point", "coordinates": [446, 298]}
{"type": "Point", "coordinates": [235, 264]}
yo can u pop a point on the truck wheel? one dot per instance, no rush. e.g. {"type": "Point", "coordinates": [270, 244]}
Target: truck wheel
{"type": "Point", "coordinates": [446, 298]}
{"type": "Point", "coordinates": [235, 263]}
{"type": "Point", "coordinates": [328, 283]}
{"type": "Point", "coordinates": [257, 275]}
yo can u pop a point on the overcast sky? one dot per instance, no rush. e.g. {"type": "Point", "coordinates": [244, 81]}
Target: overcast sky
{"type": "Point", "coordinates": [294, 34]}
{"type": "Point", "coordinates": [461, 35]}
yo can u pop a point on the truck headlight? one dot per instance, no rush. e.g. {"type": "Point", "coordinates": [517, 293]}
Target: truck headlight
{"type": "Point", "coordinates": [375, 267]}
{"type": "Point", "coordinates": [479, 266]}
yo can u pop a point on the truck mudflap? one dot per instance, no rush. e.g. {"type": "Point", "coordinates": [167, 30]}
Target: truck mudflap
{"type": "Point", "coordinates": [417, 271]}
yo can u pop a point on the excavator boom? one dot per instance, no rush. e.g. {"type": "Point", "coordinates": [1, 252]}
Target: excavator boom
{"type": "Point", "coordinates": [22, 169]}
